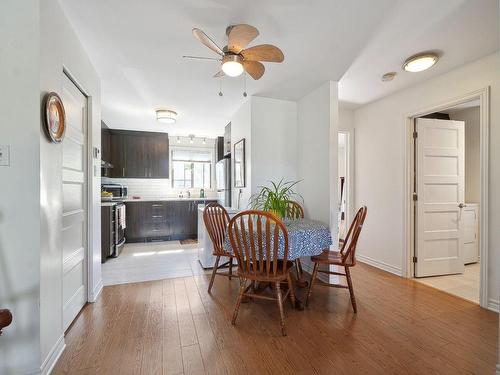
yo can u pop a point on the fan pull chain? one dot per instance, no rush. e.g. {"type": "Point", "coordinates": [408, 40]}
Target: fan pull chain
{"type": "Point", "coordinates": [220, 87]}
{"type": "Point", "coordinates": [245, 85]}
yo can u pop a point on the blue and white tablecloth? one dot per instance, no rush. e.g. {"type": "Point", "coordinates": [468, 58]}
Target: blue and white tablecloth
{"type": "Point", "coordinates": [305, 238]}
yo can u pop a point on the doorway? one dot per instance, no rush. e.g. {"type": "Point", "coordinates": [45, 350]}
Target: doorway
{"type": "Point", "coordinates": [344, 182]}
{"type": "Point", "coordinates": [447, 193]}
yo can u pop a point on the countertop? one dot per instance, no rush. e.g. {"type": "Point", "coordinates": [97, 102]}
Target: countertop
{"type": "Point", "coordinates": [107, 204]}
{"type": "Point", "coordinates": [162, 199]}
{"type": "Point", "coordinates": [229, 210]}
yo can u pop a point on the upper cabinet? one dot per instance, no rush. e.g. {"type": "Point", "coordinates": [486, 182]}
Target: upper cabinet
{"type": "Point", "coordinates": [139, 154]}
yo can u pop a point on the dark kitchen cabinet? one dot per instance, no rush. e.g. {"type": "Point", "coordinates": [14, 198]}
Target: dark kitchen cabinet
{"type": "Point", "coordinates": [139, 154]}
{"type": "Point", "coordinates": [162, 220]}
{"type": "Point", "coordinates": [105, 145]}
{"type": "Point", "coordinates": [107, 223]}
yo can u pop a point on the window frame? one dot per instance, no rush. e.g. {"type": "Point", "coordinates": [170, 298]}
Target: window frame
{"type": "Point", "coordinates": [192, 163]}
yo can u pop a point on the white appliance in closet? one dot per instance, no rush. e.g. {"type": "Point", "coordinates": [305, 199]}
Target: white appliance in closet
{"type": "Point", "coordinates": [470, 222]}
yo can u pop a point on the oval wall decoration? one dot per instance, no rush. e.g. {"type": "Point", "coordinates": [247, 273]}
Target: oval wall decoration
{"type": "Point", "coordinates": [54, 117]}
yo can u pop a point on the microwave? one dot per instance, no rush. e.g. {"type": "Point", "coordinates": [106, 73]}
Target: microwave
{"type": "Point", "coordinates": [119, 191]}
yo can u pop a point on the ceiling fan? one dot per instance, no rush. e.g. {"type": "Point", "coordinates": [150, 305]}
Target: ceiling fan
{"type": "Point", "coordinates": [234, 57]}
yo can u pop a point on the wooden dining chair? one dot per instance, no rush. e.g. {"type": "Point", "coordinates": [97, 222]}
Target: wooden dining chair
{"type": "Point", "coordinates": [295, 211]}
{"type": "Point", "coordinates": [346, 257]}
{"type": "Point", "coordinates": [216, 221]}
{"type": "Point", "coordinates": [256, 238]}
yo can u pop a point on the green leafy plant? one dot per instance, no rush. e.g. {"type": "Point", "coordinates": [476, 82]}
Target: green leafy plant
{"type": "Point", "coordinates": [275, 198]}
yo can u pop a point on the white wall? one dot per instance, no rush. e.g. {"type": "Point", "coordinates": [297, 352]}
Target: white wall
{"type": "Point", "coordinates": [471, 117]}
{"type": "Point", "coordinates": [19, 185]}
{"type": "Point", "coordinates": [60, 48]}
{"type": "Point", "coordinates": [241, 127]}
{"type": "Point", "coordinates": [40, 43]}
{"type": "Point", "coordinates": [318, 151]}
{"type": "Point", "coordinates": [380, 162]}
{"type": "Point", "coordinates": [274, 140]}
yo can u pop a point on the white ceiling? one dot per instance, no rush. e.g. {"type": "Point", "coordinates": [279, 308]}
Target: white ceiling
{"type": "Point", "coordinates": [461, 30]}
{"type": "Point", "coordinates": [137, 47]}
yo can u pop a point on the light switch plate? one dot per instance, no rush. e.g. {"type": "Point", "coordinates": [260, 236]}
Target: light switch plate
{"type": "Point", "coordinates": [4, 155]}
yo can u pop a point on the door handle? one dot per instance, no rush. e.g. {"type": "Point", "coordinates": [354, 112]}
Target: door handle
{"type": "Point", "coordinates": [461, 205]}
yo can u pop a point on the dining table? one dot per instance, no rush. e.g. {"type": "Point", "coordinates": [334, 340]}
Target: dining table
{"type": "Point", "coordinates": [306, 238]}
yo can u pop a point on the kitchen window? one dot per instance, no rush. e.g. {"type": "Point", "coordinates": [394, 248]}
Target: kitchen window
{"type": "Point", "coordinates": [191, 169]}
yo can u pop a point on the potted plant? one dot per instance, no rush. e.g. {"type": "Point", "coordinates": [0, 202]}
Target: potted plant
{"type": "Point", "coordinates": [275, 198]}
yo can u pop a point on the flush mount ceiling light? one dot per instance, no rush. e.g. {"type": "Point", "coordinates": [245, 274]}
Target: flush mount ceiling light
{"type": "Point", "coordinates": [420, 62]}
{"type": "Point", "coordinates": [231, 65]}
{"type": "Point", "coordinates": [166, 116]}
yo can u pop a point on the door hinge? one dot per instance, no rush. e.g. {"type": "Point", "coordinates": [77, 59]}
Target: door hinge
{"type": "Point", "coordinates": [414, 259]}
{"type": "Point", "coordinates": [415, 197]}
{"type": "Point", "coordinates": [415, 135]}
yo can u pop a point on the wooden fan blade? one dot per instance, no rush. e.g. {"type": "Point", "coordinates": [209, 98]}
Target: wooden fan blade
{"type": "Point", "coordinates": [240, 36]}
{"type": "Point", "coordinates": [220, 73]}
{"type": "Point", "coordinates": [263, 52]}
{"type": "Point", "coordinates": [205, 39]}
{"type": "Point", "coordinates": [254, 68]}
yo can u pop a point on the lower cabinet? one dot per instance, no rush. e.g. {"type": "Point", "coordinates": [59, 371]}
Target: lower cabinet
{"type": "Point", "coordinates": [162, 220]}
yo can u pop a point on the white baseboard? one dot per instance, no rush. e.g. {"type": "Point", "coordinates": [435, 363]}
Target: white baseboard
{"type": "Point", "coordinates": [493, 305]}
{"type": "Point", "coordinates": [95, 293]}
{"type": "Point", "coordinates": [376, 263]}
{"type": "Point", "coordinates": [53, 356]}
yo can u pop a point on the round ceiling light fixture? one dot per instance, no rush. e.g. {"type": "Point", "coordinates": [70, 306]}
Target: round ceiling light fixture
{"type": "Point", "coordinates": [231, 65]}
{"type": "Point", "coordinates": [420, 62]}
{"type": "Point", "coordinates": [166, 116]}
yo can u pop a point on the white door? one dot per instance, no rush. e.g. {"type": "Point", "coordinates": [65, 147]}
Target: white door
{"type": "Point", "coordinates": [74, 185]}
{"type": "Point", "coordinates": [440, 178]}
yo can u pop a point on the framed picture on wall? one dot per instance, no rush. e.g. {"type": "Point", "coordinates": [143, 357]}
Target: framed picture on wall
{"type": "Point", "coordinates": [239, 164]}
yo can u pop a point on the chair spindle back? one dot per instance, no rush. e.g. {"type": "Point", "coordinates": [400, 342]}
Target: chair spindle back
{"type": "Point", "coordinates": [295, 210]}
{"type": "Point", "coordinates": [348, 250]}
{"type": "Point", "coordinates": [216, 221]}
{"type": "Point", "coordinates": [255, 239]}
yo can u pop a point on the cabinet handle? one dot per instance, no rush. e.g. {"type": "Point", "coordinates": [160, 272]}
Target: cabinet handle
{"type": "Point", "coordinates": [123, 172]}
{"type": "Point", "coordinates": [157, 205]}
{"type": "Point", "coordinates": [157, 216]}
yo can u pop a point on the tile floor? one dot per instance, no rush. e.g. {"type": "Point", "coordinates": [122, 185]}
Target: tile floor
{"type": "Point", "coordinates": [465, 285]}
{"type": "Point", "coordinates": [152, 261]}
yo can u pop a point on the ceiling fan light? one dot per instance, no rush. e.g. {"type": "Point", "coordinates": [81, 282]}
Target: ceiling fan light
{"type": "Point", "coordinates": [420, 62]}
{"type": "Point", "coordinates": [231, 66]}
{"type": "Point", "coordinates": [166, 116]}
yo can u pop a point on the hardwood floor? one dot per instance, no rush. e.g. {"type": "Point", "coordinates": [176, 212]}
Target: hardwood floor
{"type": "Point", "coordinates": [174, 327]}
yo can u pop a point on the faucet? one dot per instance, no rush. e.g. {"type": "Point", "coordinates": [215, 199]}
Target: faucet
{"type": "Point", "coordinates": [188, 193]}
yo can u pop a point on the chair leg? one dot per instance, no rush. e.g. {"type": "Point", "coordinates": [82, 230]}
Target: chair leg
{"type": "Point", "coordinates": [292, 291]}
{"type": "Point", "coordinates": [230, 268]}
{"type": "Point", "coordinates": [243, 283]}
{"type": "Point", "coordinates": [214, 271]}
{"type": "Point", "coordinates": [351, 290]}
{"type": "Point", "coordinates": [313, 279]}
{"type": "Point", "coordinates": [280, 305]}
{"type": "Point", "coordinates": [298, 268]}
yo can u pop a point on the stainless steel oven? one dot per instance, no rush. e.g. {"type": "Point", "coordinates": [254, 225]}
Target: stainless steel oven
{"type": "Point", "coordinates": [119, 218]}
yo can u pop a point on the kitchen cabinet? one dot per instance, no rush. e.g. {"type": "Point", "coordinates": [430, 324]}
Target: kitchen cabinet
{"type": "Point", "coordinates": [219, 148]}
{"type": "Point", "coordinates": [162, 220]}
{"type": "Point", "coordinates": [105, 145]}
{"type": "Point", "coordinates": [139, 154]}
{"type": "Point", "coordinates": [107, 231]}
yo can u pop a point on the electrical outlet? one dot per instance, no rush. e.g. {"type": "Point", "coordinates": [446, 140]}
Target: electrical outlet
{"type": "Point", "coordinates": [4, 155]}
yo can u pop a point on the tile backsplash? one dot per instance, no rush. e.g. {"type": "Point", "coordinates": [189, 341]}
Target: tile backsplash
{"type": "Point", "coordinates": [154, 187]}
